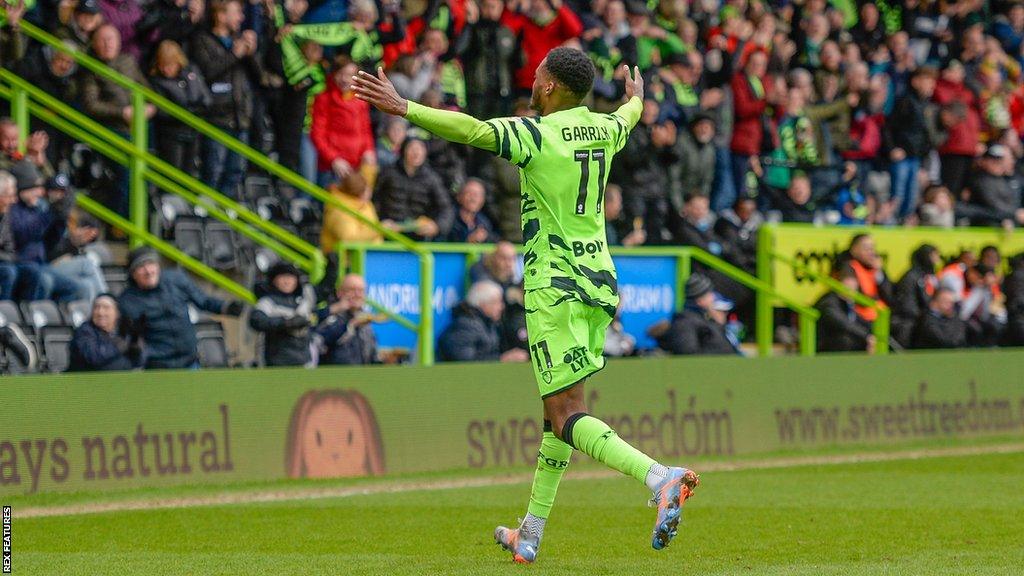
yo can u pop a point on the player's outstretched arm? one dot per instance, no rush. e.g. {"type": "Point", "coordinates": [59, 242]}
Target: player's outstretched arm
{"type": "Point", "coordinates": [452, 126]}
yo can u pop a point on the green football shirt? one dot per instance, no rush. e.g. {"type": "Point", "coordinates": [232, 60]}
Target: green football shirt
{"type": "Point", "coordinates": [564, 159]}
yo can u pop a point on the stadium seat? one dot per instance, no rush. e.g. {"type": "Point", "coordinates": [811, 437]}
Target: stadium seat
{"type": "Point", "coordinates": [303, 211]}
{"type": "Point", "coordinates": [213, 351]}
{"type": "Point", "coordinates": [77, 312]}
{"type": "Point", "coordinates": [270, 208]}
{"type": "Point", "coordinates": [116, 278]}
{"type": "Point", "coordinates": [41, 314]}
{"type": "Point", "coordinates": [188, 237]}
{"type": "Point", "coordinates": [171, 208]}
{"type": "Point", "coordinates": [221, 251]}
{"type": "Point", "coordinates": [257, 187]}
{"type": "Point", "coordinates": [11, 313]}
{"type": "Point", "coordinates": [56, 343]}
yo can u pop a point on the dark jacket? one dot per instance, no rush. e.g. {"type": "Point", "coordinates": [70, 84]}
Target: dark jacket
{"type": "Point", "coordinates": [35, 68]}
{"type": "Point", "coordinates": [907, 127]}
{"type": "Point", "coordinates": [488, 59]}
{"type": "Point", "coordinates": [693, 332]}
{"type": "Point", "coordinates": [165, 20]}
{"type": "Point", "coordinates": [160, 316]}
{"type": "Point", "coordinates": [840, 329]}
{"type": "Point", "coordinates": [641, 170]}
{"type": "Point", "coordinates": [934, 331]}
{"type": "Point", "coordinates": [471, 337]}
{"type": "Point", "coordinates": [345, 343]}
{"type": "Point", "coordinates": [8, 253]}
{"type": "Point", "coordinates": [912, 294]}
{"type": "Point", "coordinates": [739, 238]}
{"type": "Point", "coordinates": [105, 100]}
{"type": "Point", "coordinates": [284, 320]}
{"type": "Point", "coordinates": [94, 349]}
{"type": "Point", "coordinates": [997, 197]}
{"type": "Point", "coordinates": [228, 79]}
{"type": "Point", "coordinates": [401, 197]}
{"type": "Point", "coordinates": [695, 170]}
{"type": "Point", "coordinates": [188, 90]}
{"type": "Point", "coordinates": [36, 228]}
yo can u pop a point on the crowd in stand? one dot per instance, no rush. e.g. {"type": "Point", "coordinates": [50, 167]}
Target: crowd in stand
{"type": "Point", "coordinates": [840, 112]}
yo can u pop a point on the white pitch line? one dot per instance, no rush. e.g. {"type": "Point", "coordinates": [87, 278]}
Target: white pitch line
{"type": "Point", "coordinates": [256, 496]}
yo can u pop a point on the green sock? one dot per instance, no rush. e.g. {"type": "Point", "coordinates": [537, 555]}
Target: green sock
{"type": "Point", "coordinates": [552, 461]}
{"type": "Point", "coordinates": [596, 439]}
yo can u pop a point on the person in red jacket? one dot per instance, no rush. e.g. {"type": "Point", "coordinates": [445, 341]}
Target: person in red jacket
{"type": "Point", "coordinates": [341, 130]}
{"type": "Point", "coordinates": [541, 26]}
{"type": "Point", "coordinates": [962, 121]}
{"type": "Point", "coordinates": [750, 98]}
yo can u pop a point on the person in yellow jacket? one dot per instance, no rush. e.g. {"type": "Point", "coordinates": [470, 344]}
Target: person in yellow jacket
{"type": "Point", "coordinates": [340, 226]}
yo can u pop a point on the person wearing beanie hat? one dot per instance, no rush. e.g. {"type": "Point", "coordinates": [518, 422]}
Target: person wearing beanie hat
{"type": "Point", "coordinates": [283, 315]}
{"type": "Point", "coordinates": [98, 344]}
{"type": "Point", "coordinates": [693, 330]}
{"type": "Point", "coordinates": [155, 305]}
{"type": "Point", "coordinates": [36, 227]}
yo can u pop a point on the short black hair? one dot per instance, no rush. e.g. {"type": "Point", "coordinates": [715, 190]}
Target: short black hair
{"type": "Point", "coordinates": [573, 69]}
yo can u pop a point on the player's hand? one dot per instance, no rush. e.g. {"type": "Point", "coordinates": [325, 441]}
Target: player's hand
{"type": "Point", "coordinates": [380, 92]}
{"type": "Point", "coordinates": [634, 83]}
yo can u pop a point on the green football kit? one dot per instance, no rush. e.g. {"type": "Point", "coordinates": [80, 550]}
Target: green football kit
{"type": "Point", "coordinates": [564, 159]}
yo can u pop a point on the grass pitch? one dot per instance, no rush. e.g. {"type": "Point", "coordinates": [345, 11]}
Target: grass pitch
{"type": "Point", "coordinates": [948, 515]}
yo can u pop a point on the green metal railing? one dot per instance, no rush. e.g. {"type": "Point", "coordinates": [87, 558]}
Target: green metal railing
{"type": "Point", "coordinates": [685, 257]}
{"type": "Point", "coordinates": [766, 256]}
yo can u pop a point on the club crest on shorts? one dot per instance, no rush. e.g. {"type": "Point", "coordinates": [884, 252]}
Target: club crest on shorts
{"type": "Point", "coordinates": [546, 375]}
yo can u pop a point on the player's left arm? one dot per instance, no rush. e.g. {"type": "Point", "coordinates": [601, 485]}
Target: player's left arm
{"type": "Point", "coordinates": [452, 126]}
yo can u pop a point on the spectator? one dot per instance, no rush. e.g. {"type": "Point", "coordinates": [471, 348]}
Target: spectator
{"type": "Point", "coordinates": [413, 75]}
{"type": "Point", "coordinates": [85, 20]}
{"type": "Point", "coordinates": [982, 307]}
{"type": "Point", "coordinates": [696, 226]}
{"type": "Point", "coordinates": [35, 148]}
{"type": "Point", "coordinates": [473, 335]}
{"type": "Point", "coordinates": [851, 204]}
{"type": "Point", "coordinates": [471, 224]}
{"type": "Point", "coordinates": [488, 57]}
{"type": "Point", "coordinates": [498, 266]}
{"type": "Point", "coordinates": [124, 16]}
{"type": "Point", "coordinates": [797, 204]}
{"type": "Point", "coordinates": [156, 305]}
{"type": "Point", "coordinates": [872, 280]}
{"type": "Point", "coordinates": [97, 344]}
{"type": "Point", "coordinates": [341, 129]}
{"type": "Point", "coordinates": [1013, 289]}
{"type": "Point", "coordinates": [283, 314]}
{"type": "Point", "coordinates": [749, 103]}
{"type": "Point", "coordinates": [913, 293]}
{"type": "Point", "coordinates": [694, 172]}
{"type": "Point", "coordinates": [104, 99]}
{"type": "Point", "coordinates": [937, 208]}
{"type": "Point", "coordinates": [641, 170]}
{"type": "Point", "coordinates": [10, 271]}
{"type": "Point", "coordinates": [618, 342]}
{"type": "Point", "coordinates": [225, 56]}
{"type": "Point", "coordinates": [694, 331]}
{"type": "Point", "coordinates": [995, 195]}
{"type": "Point", "coordinates": [390, 139]}
{"type": "Point", "coordinates": [840, 328]}
{"type": "Point", "coordinates": [540, 26]}
{"type": "Point", "coordinates": [68, 256]}
{"type": "Point", "coordinates": [908, 138]}
{"type": "Point", "coordinates": [180, 82]}
{"type": "Point", "coordinates": [411, 198]}
{"type": "Point", "coordinates": [340, 226]}
{"type": "Point", "coordinates": [35, 227]}
{"type": "Point", "coordinates": [962, 125]}
{"type": "Point", "coordinates": [940, 327]}
{"type": "Point", "coordinates": [345, 326]}
{"type": "Point", "coordinates": [737, 229]}
{"type": "Point", "coordinates": [52, 71]}
{"type": "Point", "coordinates": [617, 231]}
{"type": "Point", "coordinates": [169, 21]}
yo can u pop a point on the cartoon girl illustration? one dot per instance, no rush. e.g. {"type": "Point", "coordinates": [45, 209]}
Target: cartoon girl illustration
{"type": "Point", "coordinates": [333, 434]}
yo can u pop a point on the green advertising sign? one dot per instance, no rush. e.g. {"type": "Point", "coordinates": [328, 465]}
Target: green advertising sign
{"type": "Point", "coordinates": [816, 248]}
{"type": "Point", "coordinates": [114, 431]}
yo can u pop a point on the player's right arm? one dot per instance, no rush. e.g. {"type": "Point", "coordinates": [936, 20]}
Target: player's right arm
{"type": "Point", "coordinates": [629, 113]}
{"type": "Point", "coordinates": [452, 126]}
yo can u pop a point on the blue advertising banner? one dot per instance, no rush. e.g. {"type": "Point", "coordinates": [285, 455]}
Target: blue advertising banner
{"type": "Point", "coordinates": [647, 291]}
{"type": "Point", "coordinates": [393, 281]}
{"type": "Point", "coordinates": [646, 286]}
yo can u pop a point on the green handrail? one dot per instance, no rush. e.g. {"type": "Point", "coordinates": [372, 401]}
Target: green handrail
{"type": "Point", "coordinates": [142, 94]}
{"type": "Point", "coordinates": [108, 143]}
{"type": "Point", "coordinates": [356, 254]}
{"type": "Point", "coordinates": [766, 256]}
{"type": "Point", "coordinates": [198, 268]}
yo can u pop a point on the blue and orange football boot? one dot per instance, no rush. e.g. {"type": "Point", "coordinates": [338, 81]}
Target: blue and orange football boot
{"type": "Point", "coordinates": [669, 498]}
{"type": "Point", "coordinates": [523, 548]}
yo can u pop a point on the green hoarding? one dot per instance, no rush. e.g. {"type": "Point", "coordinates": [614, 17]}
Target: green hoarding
{"type": "Point", "coordinates": [114, 431]}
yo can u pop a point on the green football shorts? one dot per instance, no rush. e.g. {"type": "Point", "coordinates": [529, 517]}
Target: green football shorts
{"type": "Point", "coordinates": [566, 338]}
